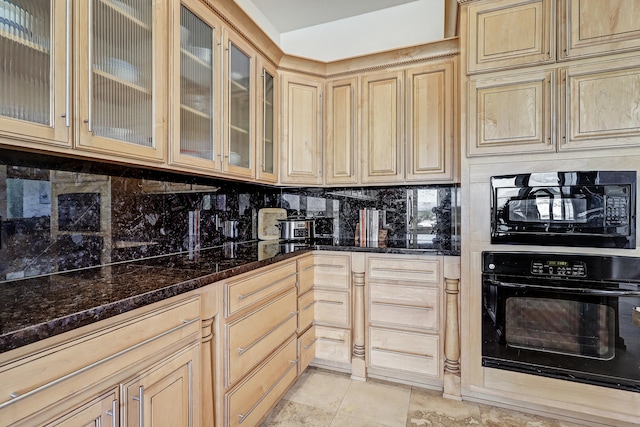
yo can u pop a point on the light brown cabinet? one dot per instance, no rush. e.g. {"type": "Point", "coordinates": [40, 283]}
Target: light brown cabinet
{"type": "Point", "coordinates": [267, 130]}
{"type": "Point", "coordinates": [431, 130]}
{"type": "Point", "coordinates": [383, 127]}
{"type": "Point", "coordinates": [196, 59]}
{"type": "Point", "coordinates": [599, 105]}
{"type": "Point", "coordinates": [120, 79]}
{"type": "Point", "coordinates": [510, 33]}
{"type": "Point", "coordinates": [102, 373]}
{"type": "Point", "coordinates": [583, 31]}
{"type": "Point", "coordinates": [36, 80]}
{"type": "Point", "coordinates": [301, 156]}
{"type": "Point", "coordinates": [511, 113]}
{"type": "Point", "coordinates": [341, 134]}
{"type": "Point", "coordinates": [405, 318]}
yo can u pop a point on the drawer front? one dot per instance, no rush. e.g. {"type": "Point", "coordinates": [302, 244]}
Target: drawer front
{"type": "Point", "coordinates": [411, 306]}
{"type": "Point", "coordinates": [305, 274]}
{"type": "Point", "coordinates": [247, 403]}
{"type": "Point", "coordinates": [242, 293]}
{"type": "Point", "coordinates": [250, 339]}
{"type": "Point", "coordinates": [402, 269]}
{"type": "Point", "coordinates": [306, 349]}
{"type": "Point", "coordinates": [333, 344]}
{"type": "Point", "coordinates": [134, 338]}
{"type": "Point", "coordinates": [332, 308]}
{"type": "Point", "coordinates": [412, 352]}
{"type": "Point", "coordinates": [306, 310]}
{"type": "Point", "coordinates": [332, 271]}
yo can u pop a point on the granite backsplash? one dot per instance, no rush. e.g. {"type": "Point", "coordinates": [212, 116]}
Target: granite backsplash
{"type": "Point", "coordinates": [61, 214]}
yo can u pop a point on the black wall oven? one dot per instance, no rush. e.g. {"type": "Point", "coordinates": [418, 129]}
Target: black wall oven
{"type": "Point", "coordinates": [594, 209]}
{"type": "Point", "coordinates": [568, 316]}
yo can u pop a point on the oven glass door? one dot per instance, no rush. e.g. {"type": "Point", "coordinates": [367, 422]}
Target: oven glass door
{"type": "Point", "coordinates": [578, 334]}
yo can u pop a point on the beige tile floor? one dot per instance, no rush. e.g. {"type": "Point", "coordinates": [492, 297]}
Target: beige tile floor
{"type": "Point", "coordinates": [329, 399]}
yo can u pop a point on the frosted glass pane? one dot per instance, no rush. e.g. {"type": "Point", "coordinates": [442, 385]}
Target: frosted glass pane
{"type": "Point", "coordinates": [122, 64]}
{"type": "Point", "coordinates": [239, 108]}
{"type": "Point", "coordinates": [25, 60]}
{"type": "Point", "coordinates": [196, 86]}
{"type": "Point", "coordinates": [268, 124]}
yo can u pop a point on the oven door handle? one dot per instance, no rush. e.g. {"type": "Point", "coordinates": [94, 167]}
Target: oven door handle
{"type": "Point", "coordinates": [564, 289]}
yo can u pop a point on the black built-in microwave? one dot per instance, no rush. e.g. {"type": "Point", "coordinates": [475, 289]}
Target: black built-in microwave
{"type": "Point", "coordinates": [585, 209]}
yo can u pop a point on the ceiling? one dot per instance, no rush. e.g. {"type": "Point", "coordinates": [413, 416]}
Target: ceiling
{"type": "Point", "coordinates": [290, 15]}
{"type": "Point", "coordinates": [329, 30]}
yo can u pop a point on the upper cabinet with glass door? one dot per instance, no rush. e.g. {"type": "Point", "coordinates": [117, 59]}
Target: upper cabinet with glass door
{"type": "Point", "coordinates": [195, 129]}
{"type": "Point", "coordinates": [35, 84]}
{"type": "Point", "coordinates": [266, 124]}
{"type": "Point", "coordinates": [121, 77]}
{"type": "Point", "coordinates": [239, 153]}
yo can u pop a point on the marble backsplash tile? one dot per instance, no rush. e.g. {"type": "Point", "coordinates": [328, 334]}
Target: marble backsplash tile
{"type": "Point", "coordinates": [61, 214]}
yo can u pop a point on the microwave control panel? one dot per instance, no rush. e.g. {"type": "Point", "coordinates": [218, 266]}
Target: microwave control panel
{"type": "Point", "coordinates": [559, 268]}
{"type": "Point", "coordinates": [616, 210]}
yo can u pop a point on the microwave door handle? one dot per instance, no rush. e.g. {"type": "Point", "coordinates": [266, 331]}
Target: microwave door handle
{"type": "Point", "coordinates": [564, 289]}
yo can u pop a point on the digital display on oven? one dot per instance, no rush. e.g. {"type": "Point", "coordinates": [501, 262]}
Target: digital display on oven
{"type": "Point", "coordinates": [559, 268]}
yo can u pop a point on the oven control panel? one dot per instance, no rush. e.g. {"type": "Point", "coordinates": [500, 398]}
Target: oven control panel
{"type": "Point", "coordinates": [559, 268]}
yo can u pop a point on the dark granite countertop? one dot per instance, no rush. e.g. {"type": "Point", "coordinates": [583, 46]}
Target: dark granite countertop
{"type": "Point", "coordinates": [36, 308]}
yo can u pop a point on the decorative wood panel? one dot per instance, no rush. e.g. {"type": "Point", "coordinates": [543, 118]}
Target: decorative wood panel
{"type": "Point", "coordinates": [341, 153]}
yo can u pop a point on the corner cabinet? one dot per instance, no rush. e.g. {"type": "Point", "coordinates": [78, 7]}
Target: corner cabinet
{"type": "Point", "coordinates": [195, 125]}
{"type": "Point", "coordinates": [383, 128]}
{"type": "Point", "coordinates": [510, 33]}
{"type": "Point", "coordinates": [35, 80]}
{"type": "Point", "coordinates": [121, 78]}
{"type": "Point", "coordinates": [301, 155]}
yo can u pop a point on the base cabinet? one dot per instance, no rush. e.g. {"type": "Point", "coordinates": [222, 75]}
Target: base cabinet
{"type": "Point", "coordinates": [141, 369]}
{"type": "Point", "coordinates": [405, 318]}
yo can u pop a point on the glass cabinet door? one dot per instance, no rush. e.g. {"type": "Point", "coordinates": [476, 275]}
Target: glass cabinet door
{"type": "Point", "coordinates": [121, 107]}
{"type": "Point", "coordinates": [35, 85]}
{"type": "Point", "coordinates": [266, 125]}
{"type": "Point", "coordinates": [239, 157]}
{"type": "Point", "coordinates": [195, 140]}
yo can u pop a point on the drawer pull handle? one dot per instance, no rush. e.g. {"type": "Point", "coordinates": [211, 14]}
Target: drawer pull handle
{"type": "Point", "coordinates": [14, 394]}
{"type": "Point", "coordinates": [140, 399]}
{"type": "Point", "coordinates": [255, 405]}
{"type": "Point", "coordinates": [404, 270]}
{"type": "Point", "coordinates": [406, 353]}
{"type": "Point", "coordinates": [308, 267]}
{"type": "Point", "coordinates": [313, 341]}
{"type": "Point", "coordinates": [309, 305]}
{"type": "Point", "coordinates": [329, 266]}
{"type": "Point", "coordinates": [112, 413]}
{"type": "Point", "coordinates": [390, 304]}
{"type": "Point", "coordinates": [243, 296]}
{"type": "Point", "coordinates": [243, 350]}
{"type": "Point", "coordinates": [342, 341]}
{"type": "Point", "coordinates": [328, 301]}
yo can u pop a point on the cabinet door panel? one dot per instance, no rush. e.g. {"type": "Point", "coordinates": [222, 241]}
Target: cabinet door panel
{"type": "Point", "coordinates": [333, 344]}
{"type": "Point", "coordinates": [301, 159]}
{"type": "Point", "coordinates": [195, 138]}
{"type": "Point", "coordinates": [601, 105]}
{"type": "Point", "coordinates": [510, 33]}
{"type": "Point", "coordinates": [332, 308]}
{"type": "Point", "coordinates": [340, 155]}
{"type": "Point", "coordinates": [407, 351]}
{"type": "Point", "coordinates": [382, 128]}
{"type": "Point", "coordinates": [35, 83]}
{"type": "Point", "coordinates": [586, 33]}
{"type": "Point", "coordinates": [99, 412]}
{"type": "Point", "coordinates": [511, 114]}
{"type": "Point", "coordinates": [267, 124]}
{"type": "Point", "coordinates": [430, 130]}
{"type": "Point", "coordinates": [121, 95]}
